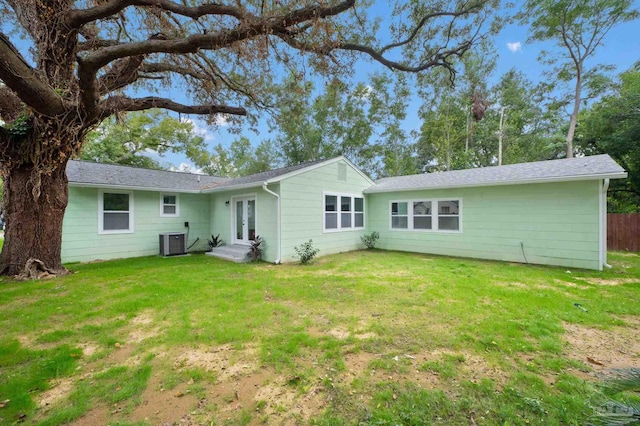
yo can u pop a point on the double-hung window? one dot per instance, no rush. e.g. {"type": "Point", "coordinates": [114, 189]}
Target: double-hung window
{"type": "Point", "coordinates": [400, 215]}
{"type": "Point", "coordinates": [426, 215]}
{"type": "Point", "coordinates": [169, 205]}
{"type": "Point", "coordinates": [343, 212]}
{"type": "Point", "coordinates": [422, 217]}
{"type": "Point", "coordinates": [449, 215]}
{"type": "Point", "coordinates": [115, 212]}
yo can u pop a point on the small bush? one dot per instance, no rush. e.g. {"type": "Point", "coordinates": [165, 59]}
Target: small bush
{"type": "Point", "coordinates": [306, 251]}
{"type": "Point", "coordinates": [215, 241]}
{"type": "Point", "coordinates": [370, 240]}
{"type": "Point", "coordinates": [257, 247]}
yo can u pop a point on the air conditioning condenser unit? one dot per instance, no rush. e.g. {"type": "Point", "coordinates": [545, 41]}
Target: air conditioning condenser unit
{"type": "Point", "coordinates": [173, 243]}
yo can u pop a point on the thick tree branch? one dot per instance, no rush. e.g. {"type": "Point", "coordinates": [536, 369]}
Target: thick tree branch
{"type": "Point", "coordinates": [162, 67]}
{"type": "Point", "coordinates": [10, 104]}
{"type": "Point", "coordinates": [213, 41]}
{"type": "Point", "coordinates": [133, 69]}
{"type": "Point", "coordinates": [25, 82]}
{"type": "Point", "coordinates": [438, 59]}
{"type": "Point", "coordinates": [92, 44]}
{"type": "Point", "coordinates": [115, 104]}
{"type": "Point", "coordinates": [121, 74]}
{"type": "Point", "coordinates": [80, 17]}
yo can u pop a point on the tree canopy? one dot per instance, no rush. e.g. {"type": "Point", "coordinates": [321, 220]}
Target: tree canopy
{"type": "Point", "coordinates": [612, 126]}
{"type": "Point", "coordinates": [127, 140]}
{"type": "Point", "coordinates": [578, 28]}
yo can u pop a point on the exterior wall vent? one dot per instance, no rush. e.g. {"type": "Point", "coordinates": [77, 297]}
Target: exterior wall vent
{"type": "Point", "coordinates": [342, 171]}
{"type": "Point", "coordinates": [173, 243]}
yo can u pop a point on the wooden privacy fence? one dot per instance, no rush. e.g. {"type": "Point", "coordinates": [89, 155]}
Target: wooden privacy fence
{"type": "Point", "coordinates": [623, 231]}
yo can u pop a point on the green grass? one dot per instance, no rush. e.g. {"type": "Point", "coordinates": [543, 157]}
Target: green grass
{"type": "Point", "coordinates": [441, 340]}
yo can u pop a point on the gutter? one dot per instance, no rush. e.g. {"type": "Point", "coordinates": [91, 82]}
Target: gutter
{"type": "Point", "coordinates": [133, 188]}
{"type": "Point", "coordinates": [603, 226]}
{"type": "Point", "coordinates": [264, 187]}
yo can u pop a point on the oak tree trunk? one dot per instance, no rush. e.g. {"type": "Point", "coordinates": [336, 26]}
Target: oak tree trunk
{"type": "Point", "coordinates": [33, 229]}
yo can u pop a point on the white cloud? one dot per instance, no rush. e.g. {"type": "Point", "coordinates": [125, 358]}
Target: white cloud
{"type": "Point", "coordinates": [200, 129]}
{"type": "Point", "coordinates": [187, 168]}
{"type": "Point", "coordinates": [514, 47]}
{"type": "Point", "coordinates": [222, 120]}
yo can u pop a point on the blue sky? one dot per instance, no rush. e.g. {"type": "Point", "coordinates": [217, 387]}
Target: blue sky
{"type": "Point", "coordinates": [621, 49]}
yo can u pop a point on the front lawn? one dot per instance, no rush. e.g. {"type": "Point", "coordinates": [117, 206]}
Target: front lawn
{"type": "Point", "coordinates": [368, 337]}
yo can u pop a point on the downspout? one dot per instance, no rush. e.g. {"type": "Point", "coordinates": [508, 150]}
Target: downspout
{"type": "Point", "coordinates": [603, 218]}
{"type": "Point", "coordinates": [264, 186]}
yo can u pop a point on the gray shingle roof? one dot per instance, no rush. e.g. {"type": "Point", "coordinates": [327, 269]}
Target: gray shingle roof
{"type": "Point", "coordinates": [597, 166]}
{"type": "Point", "coordinates": [258, 178]}
{"type": "Point", "coordinates": [110, 175]}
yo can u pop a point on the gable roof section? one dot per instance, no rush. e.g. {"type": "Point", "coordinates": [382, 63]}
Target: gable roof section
{"type": "Point", "coordinates": [258, 178]}
{"type": "Point", "coordinates": [276, 175]}
{"type": "Point", "coordinates": [568, 169]}
{"type": "Point", "coordinates": [90, 174]}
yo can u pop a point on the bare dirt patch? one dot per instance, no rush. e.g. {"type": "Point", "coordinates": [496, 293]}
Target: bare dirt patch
{"type": "Point", "coordinates": [60, 389]}
{"type": "Point", "coordinates": [143, 329]}
{"type": "Point", "coordinates": [161, 406]}
{"type": "Point", "coordinates": [617, 281]}
{"type": "Point", "coordinates": [618, 347]}
{"type": "Point", "coordinates": [570, 284]}
{"type": "Point", "coordinates": [224, 361]}
{"type": "Point", "coordinates": [97, 416]}
{"type": "Point", "coordinates": [340, 333]}
{"type": "Point", "coordinates": [88, 349]}
{"type": "Point", "coordinates": [282, 403]}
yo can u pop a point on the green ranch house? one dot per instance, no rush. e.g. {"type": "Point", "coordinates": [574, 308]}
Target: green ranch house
{"type": "Point", "coordinates": [548, 212]}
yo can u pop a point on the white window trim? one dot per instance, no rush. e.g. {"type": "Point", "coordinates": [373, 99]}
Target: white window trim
{"type": "Point", "coordinates": [339, 220]}
{"type": "Point", "coordinates": [101, 212]}
{"type": "Point", "coordinates": [434, 216]}
{"type": "Point", "coordinates": [162, 204]}
{"type": "Point", "coordinates": [408, 216]}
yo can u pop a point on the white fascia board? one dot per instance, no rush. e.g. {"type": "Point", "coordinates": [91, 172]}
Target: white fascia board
{"type": "Point", "coordinates": [133, 188]}
{"type": "Point", "coordinates": [620, 175]}
{"type": "Point", "coordinates": [233, 187]}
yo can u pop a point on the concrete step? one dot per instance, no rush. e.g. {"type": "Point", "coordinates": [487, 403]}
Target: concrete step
{"type": "Point", "coordinates": [235, 253]}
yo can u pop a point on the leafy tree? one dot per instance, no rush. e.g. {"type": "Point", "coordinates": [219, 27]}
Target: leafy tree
{"type": "Point", "coordinates": [442, 134]}
{"type": "Point", "coordinates": [612, 126]}
{"type": "Point", "coordinates": [578, 27]}
{"type": "Point", "coordinates": [332, 123]}
{"type": "Point", "coordinates": [95, 59]}
{"type": "Point", "coordinates": [528, 123]}
{"type": "Point", "coordinates": [247, 160]}
{"type": "Point", "coordinates": [387, 109]}
{"type": "Point", "coordinates": [220, 163]}
{"type": "Point", "coordinates": [125, 141]}
{"type": "Point", "coordinates": [450, 136]}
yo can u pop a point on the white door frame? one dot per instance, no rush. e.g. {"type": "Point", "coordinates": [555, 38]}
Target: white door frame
{"type": "Point", "coordinates": [244, 198]}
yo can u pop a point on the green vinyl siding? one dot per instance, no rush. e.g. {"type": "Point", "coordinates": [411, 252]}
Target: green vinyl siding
{"type": "Point", "coordinates": [552, 224]}
{"type": "Point", "coordinates": [303, 204]}
{"type": "Point", "coordinates": [266, 218]}
{"type": "Point", "coordinates": [81, 241]}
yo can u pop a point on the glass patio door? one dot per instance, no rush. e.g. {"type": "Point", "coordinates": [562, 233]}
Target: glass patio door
{"type": "Point", "coordinates": [245, 220]}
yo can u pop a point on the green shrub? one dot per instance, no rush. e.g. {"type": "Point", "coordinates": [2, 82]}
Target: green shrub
{"type": "Point", "coordinates": [306, 251]}
{"type": "Point", "coordinates": [215, 241]}
{"type": "Point", "coordinates": [370, 240]}
{"type": "Point", "coordinates": [257, 247]}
